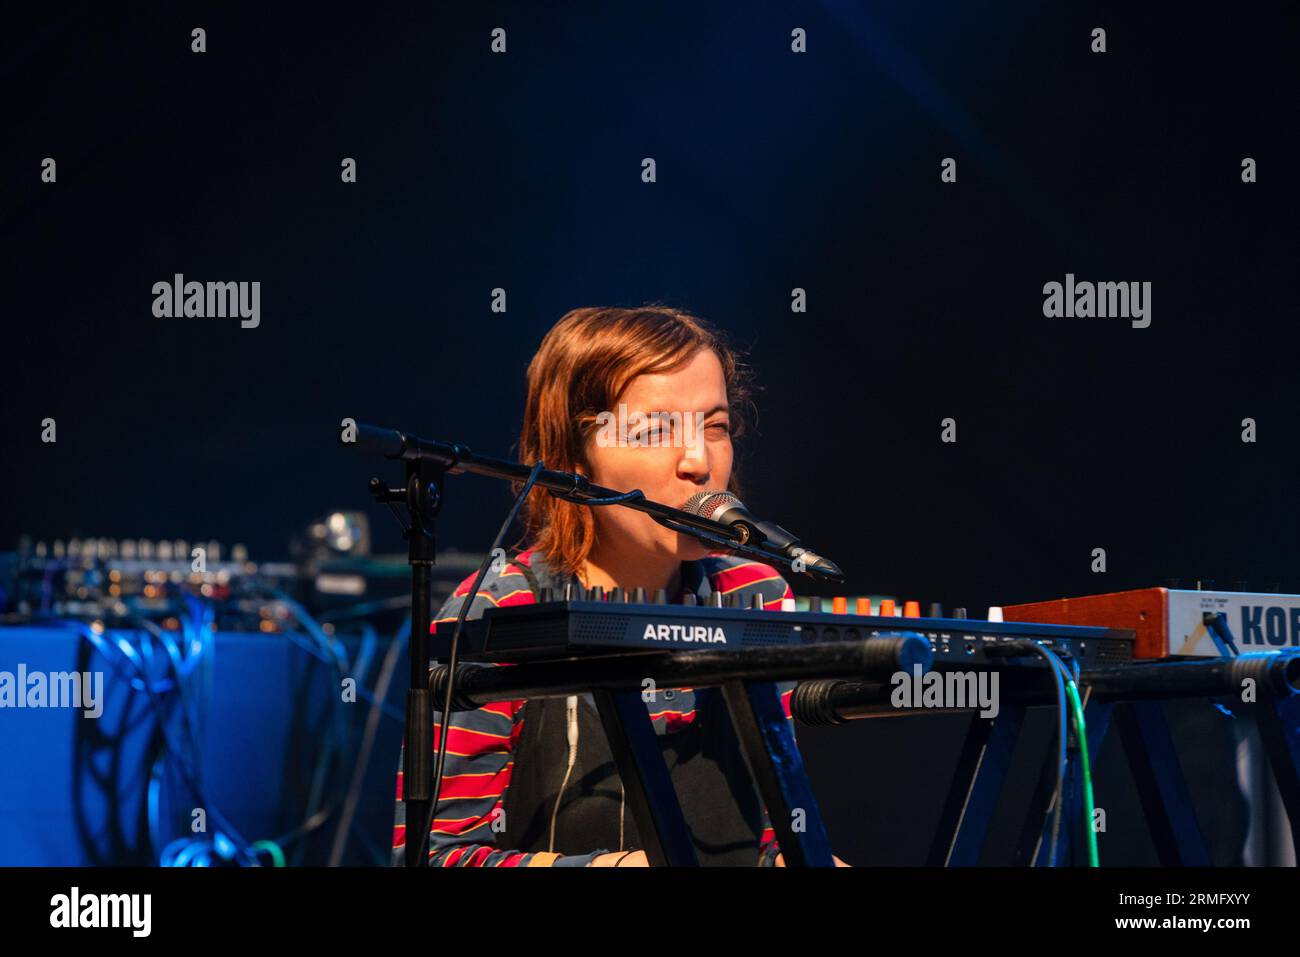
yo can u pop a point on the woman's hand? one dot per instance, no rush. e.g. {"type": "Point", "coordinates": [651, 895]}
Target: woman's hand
{"type": "Point", "coordinates": [780, 861]}
{"type": "Point", "coordinates": [621, 859]}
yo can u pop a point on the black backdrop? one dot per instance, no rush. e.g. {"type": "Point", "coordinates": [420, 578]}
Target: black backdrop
{"type": "Point", "coordinates": [775, 170]}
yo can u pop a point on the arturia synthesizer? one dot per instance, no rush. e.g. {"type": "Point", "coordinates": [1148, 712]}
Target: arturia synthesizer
{"type": "Point", "coordinates": [560, 628]}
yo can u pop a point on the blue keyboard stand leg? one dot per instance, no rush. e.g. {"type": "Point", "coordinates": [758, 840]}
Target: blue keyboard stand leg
{"type": "Point", "coordinates": [976, 784]}
{"type": "Point", "coordinates": [1161, 787]}
{"type": "Point", "coordinates": [646, 782]}
{"type": "Point", "coordinates": [1278, 720]}
{"type": "Point", "coordinates": [770, 750]}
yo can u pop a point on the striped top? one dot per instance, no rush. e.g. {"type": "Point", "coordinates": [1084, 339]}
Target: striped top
{"type": "Point", "coordinates": [481, 744]}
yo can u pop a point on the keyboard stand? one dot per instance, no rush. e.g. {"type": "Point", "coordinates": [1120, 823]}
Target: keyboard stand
{"type": "Point", "coordinates": [1278, 720]}
{"type": "Point", "coordinates": [981, 773]}
{"type": "Point", "coordinates": [768, 744]}
{"type": "Point", "coordinates": [776, 766]}
{"type": "Point", "coordinates": [646, 783]}
{"type": "Point", "coordinates": [976, 785]}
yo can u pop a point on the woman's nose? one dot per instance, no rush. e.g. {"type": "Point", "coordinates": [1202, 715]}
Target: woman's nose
{"type": "Point", "coordinates": [694, 463]}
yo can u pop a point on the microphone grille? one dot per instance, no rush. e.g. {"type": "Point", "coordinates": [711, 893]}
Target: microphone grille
{"type": "Point", "coordinates": [708, 504]}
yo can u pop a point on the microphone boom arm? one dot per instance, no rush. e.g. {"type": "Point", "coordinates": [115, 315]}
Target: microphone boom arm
{"type": "Point", "coordinates": [569, 486]}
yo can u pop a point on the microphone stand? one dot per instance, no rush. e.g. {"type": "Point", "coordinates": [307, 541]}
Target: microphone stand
{"type": "Point", "coordinates": [422, 497]}
{"type": "Point", "coordinates": [427, 462]}
{"type": "Point", "coordinates": [454, 458]}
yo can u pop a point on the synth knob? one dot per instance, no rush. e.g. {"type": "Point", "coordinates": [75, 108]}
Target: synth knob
{"type": "Point", "coordinates": [840, 605]}
{"type": "Point", "coordinates": [887, 609]}
{"type": "Point", "coordinates": [815, 603]}
{"type": "Point", "coordinates": [661, 596]}
{"type": "Point", "coordinates": [756, 602]}
{"type": "Point", "coordinates": [788, 604]}
{"type": "Point", "coordinates": [959, 613]}
{"type": "Point", "coordinates": [546, 594]}
{"type": "Point", "coordinates": [936, 610]}
{"type": "Point", "coordinates": [912, 609]}
{"type": "Point", "coordinates": [690, 598]}
{"type": "Point", "coordinates": [638, 595]}
{"type": "Point", "coordinates": [597, 592]}
{"type": "Point", "coordinates": [715, 599]}
{"type": "Point", "coordinates": [995, 613]}
{"type": "Point", "coordinates": [616, 594]}
{"type": "Point", "coordinates": [569, 592]}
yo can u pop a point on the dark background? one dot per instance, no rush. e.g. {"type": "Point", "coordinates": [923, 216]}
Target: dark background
{"type": "Point", "coordinates": [775, 170]}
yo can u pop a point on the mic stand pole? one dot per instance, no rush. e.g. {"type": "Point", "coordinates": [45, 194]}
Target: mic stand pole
{"type": "Point", "coordinates": [422, 497]}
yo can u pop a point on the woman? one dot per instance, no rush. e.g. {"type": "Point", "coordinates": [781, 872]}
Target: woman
{"type": "Point", "coordinates": [532, 783]}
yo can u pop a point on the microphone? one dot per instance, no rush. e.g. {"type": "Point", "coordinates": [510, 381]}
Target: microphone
{"type": "Point", "coordinates": [725, 508]}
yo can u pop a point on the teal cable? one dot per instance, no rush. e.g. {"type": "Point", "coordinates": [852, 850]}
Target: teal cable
{"type": "Point", "coordinates": [272, 848]}
{"type": "Point", "coordinates": [1080, 732]}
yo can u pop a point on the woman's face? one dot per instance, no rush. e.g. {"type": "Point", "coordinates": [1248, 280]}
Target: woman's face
{"type": "Point", "coordinates": [691, 457]}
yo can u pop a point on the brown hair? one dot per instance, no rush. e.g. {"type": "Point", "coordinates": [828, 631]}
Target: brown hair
{"type": "Point", "coordinates": [581, 368]}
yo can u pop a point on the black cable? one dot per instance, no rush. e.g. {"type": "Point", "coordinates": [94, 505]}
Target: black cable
{"type": "Point", "coordinates": [1033, 647]}
{"type": "Point", "coordinates": [1064, 674]}
{"type": "Point", "coordinates": [382, 682]}
{"type": "Point", "coordinates": [636, 495]}
{"type": "Point", "coordinates": [424, 836]}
